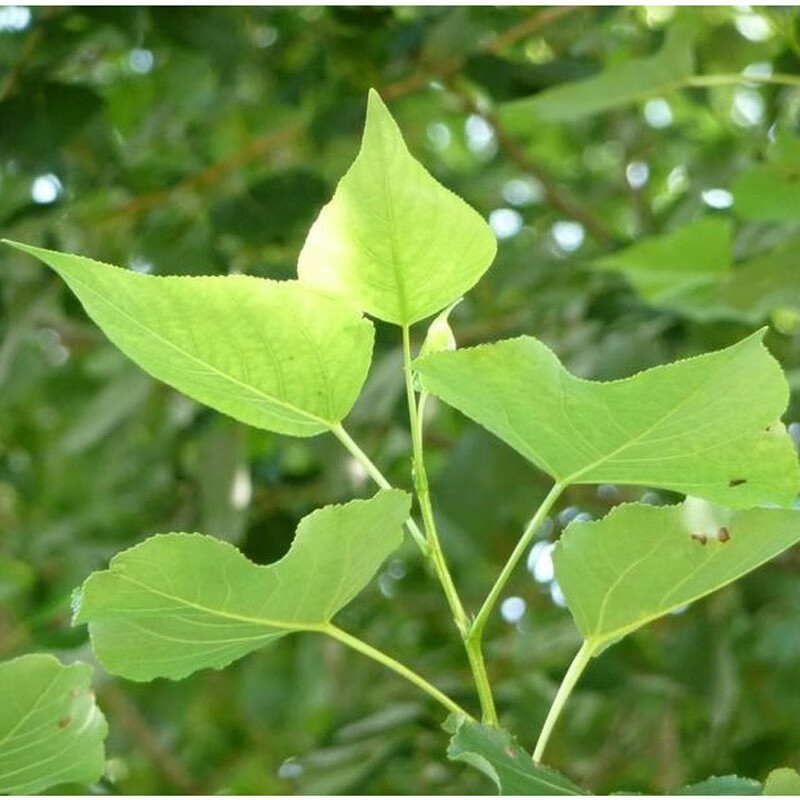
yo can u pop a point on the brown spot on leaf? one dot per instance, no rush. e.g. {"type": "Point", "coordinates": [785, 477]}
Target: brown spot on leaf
{"type": "Point", "coordinates": [699, 537]}
{"type": "Point", "coordinates": [64, 722]}
{"type": "Point", "coordinates": [736, 482]}
{"type": "Point", "coordinates": [723, 534]}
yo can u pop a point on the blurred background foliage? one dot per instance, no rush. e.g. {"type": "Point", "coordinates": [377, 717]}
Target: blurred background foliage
{"type": "Point", "coordinates": [648, 214]}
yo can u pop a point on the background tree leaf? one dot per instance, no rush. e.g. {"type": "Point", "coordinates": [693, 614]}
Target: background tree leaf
{"type": "Point", "coordinates": [394, 241]}
{"type": "Point", "coordinates": [696, 426]}
{"type": "Point", "coordinates": [617, 85]}
{"type": "Point", "coordinates": [497, 755]}
{"type": "Point", "coordinates": [766, 194]}
{"type": "Point", "coordinates": [178, 602]}
{"type": "Point", "coordinates": [658, 267]}
{"type": "Point", "coordinates": [51, 731]}
{"type": "Point", "coordinates": [731, 785]}
{"type": "Point", "coordinates": [271, 354]}
{"type": "Point", "coordinates": [641, 562]}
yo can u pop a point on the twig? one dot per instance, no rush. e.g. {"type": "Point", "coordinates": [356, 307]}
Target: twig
{"type": "Point", "coordinates": [557, 196]}
{"type": "Point", "coordinates": [127, 716]}
{"type": "Point", "coordinates": [263, 145]}
{"type": "Point", "coordinates": [25, 56]}
{"type": "Point", "coordinates": [533, 24]}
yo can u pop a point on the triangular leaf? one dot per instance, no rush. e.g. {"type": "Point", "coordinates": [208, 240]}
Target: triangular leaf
{"type": "Point", "coordinates": [393, 241]}
{"type": "Point", "coordinates": [618, 85]}
{"type": "Point", "coordinates": [704, 426]}
{"type": "Point", "coordinates": [271, 354]}
{"type": "Point", "coordinates": [782, 781]}
{"type": "Point", "coordinates": [182, 602]}
{"type": "Point", "coordinates": [661, 266]}
{"type": "Point", "coordinates": [51, 731]}
{"type": "Point", "coordinates": [641, 562]}
{"type": "Point", "coordinates": [497, 755]}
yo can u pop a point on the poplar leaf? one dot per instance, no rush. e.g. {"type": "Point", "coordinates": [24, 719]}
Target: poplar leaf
{"type": "Point", "coordinates": [393, 241]}
{"type": "Point", "coordinates": [706, 426]}
{"type": "Point", "coordinates": [497, 755]}
{"type": "Point", "coordinates": [51, 731]}
{"type": "Point", "coordinates": [181, 602]}
{"type": "Point", "coordinates": [641, 562]}
{"type": "Point", "coordinates": [271, 354]}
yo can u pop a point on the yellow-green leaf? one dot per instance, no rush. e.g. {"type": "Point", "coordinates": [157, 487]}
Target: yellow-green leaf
{"type": "Point", "coordinates": [393, 241]}
{"type": "Point", "coordinates": [51, 730]}
{"type": "Point", "coordinates": [707, 426]}
{"type": "Point", "coordinates": [272, 354]}
{"type": "Point", "coordinates": [641, 562]}
{"type": "Point", "coordinates": [180, 602]}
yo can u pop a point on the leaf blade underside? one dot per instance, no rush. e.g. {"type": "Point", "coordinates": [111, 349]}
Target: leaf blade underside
{"type": "Point", "coordinates": [177, 603]}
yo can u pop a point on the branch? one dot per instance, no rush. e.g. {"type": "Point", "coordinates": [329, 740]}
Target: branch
{"type": "Point", "coordinates": [266, 144]}
{"type": "Point", "coordinates": [557, 196]}
{"type": "Point", "coordinates": [128, 716]}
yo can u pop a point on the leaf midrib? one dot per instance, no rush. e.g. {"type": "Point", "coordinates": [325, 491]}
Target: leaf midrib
{"type": "Point", "coordinates": [261, 621]}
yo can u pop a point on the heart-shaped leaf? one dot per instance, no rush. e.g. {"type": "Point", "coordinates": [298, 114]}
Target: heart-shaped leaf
{"type": "Point", "coordinates": [497, 755]}
{"type": "Point", "coordinates": [705, 426]}
{"type": "Point", "coordinates": [51, 731]}
{"type": "Point", "coordinates": [182, 602]}
{"type": "Point", "coordinates": [641, 562]}
{"type": "Point", "coordinates": [393, 241]}
{"type": "Point", "coordinates": [271, 354]}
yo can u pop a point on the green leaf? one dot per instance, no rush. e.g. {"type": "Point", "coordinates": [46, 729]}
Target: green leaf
{"type": "Point", "coordinates": [271, 354]}
{"type": "Point", "coordinates": [755, 288]}
{"type": "Point", "coordinates": [766, 194]}
{"type": "Point", "coordinates": [179, 602]}
{"type": "Point", "coordinates": [619, 85]}
{"type": "Point", "coordinates": [393, 241]}
{"type": "Point", "coordinates": [496, 754]}
{"type": "Point", "coordinates": [771, 192]}
{"type": "Point", "coordinates": [782, 781]}
{"type": "Point", "coordinates": [710, 289]}
{"type": "Point", "coordinates": [271, 209]}
{"type": "Point", "coordinates": [51, 731]}
{"type": "Point", "coordinates": [641, 562]}
{"type": "Point", "coordinates": [705, 426]}
{"type": "Point", "coordinates": [54, 113]}
{"type": "Point", "coordinates": [723, 785]}
{"type": "Point", "coordinates": [15, 577]}
{"type": "Point", "coordinates": [658, 267]}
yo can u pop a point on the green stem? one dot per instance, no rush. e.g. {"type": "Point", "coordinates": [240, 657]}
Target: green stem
{"type": "Point", "coordinates": [395, 666]}
{"type": "Point", "coordinates": [344, 437]}
{"type": "Point", "coordinates": [476, 631]}
{"type": "Point", "coordinates": [726, 79]}
{"type": "Point", "coordinates": [460, 617]}
{"type": "Point", "coordinates": [574, 672]}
